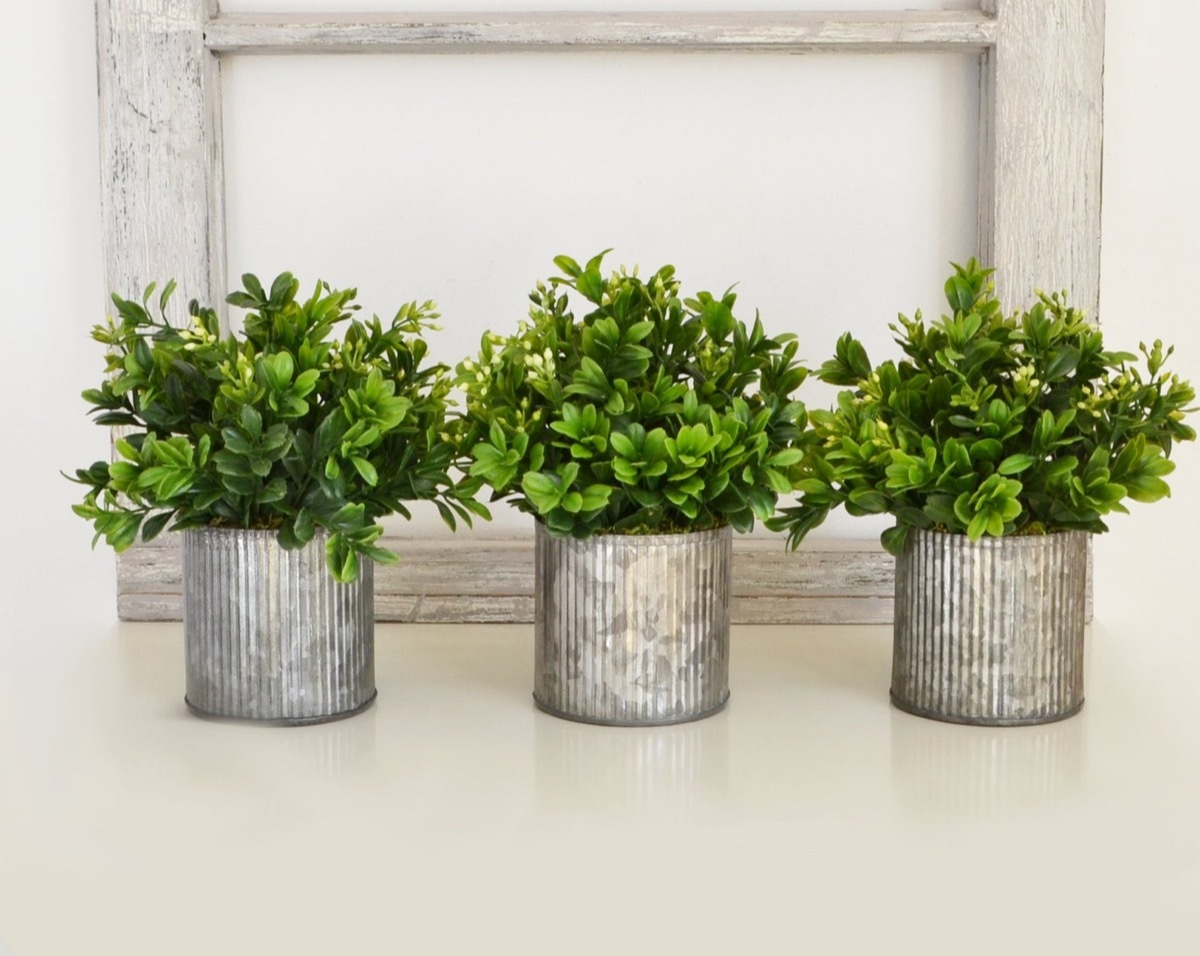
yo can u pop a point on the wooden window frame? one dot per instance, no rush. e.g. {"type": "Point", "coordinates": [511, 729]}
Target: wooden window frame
{"type": "Point", "coordinates": [163, 213]}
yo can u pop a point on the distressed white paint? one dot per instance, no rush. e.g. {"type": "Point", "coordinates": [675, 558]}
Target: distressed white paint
{"type": "Point", "coordinates": [160, 147]}
{"type": "Point", "coordinates": [1040, 153]}
{"type": "Point", "coordinates": [161, 165]}
{"type": "Point", "coordinates": [163, 213]}
{"type": "Point", "coordinates": [799, 32]}
{"type": "Point", "coordinates": [493, 581]}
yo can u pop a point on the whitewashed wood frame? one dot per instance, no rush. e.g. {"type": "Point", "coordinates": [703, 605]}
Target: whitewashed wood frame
{"type": "Point", "coordinates": [1041, 87]}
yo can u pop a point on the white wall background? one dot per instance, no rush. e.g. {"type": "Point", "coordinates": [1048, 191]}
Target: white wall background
{"type": "Point", "coordinates": [833, 188]}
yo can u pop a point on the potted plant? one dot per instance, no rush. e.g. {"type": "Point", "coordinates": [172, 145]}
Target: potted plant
{"type": "Point", "coordinates": [274, 453]}
{"type": "Point", "coordinates": [638, 434]}
{"type": "Point", "coordinates": [999, 443]}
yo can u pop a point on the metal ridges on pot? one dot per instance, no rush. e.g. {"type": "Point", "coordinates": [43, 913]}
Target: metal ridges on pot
{"type": "Point", "coordinates": [990, 631]}
{"type": "Point", "coordinates": [632, 629]}
{"type": "Point", "coordinates": [270, 635]}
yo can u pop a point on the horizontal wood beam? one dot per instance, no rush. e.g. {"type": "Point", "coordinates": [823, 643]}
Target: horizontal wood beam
{"type": "Point", "coordinates": [789, 32]}
{"type": "Point", "coordinates": [491, 580]}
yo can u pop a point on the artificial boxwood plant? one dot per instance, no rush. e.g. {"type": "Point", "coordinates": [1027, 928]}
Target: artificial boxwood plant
{"type": "Point", "coordinates": [991, 424]}
{"type": "Point", "coordinates": [645, 413]}
{"type": "Point", "coordinates": [284, 428]}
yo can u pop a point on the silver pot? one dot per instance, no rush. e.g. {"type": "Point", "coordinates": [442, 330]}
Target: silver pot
{"type": "Point", "coordinates": [270, 636]}
{"type": "Point", "coordinates": [990, 631]}
{"type": "Point", "coordinates": [632, 629]}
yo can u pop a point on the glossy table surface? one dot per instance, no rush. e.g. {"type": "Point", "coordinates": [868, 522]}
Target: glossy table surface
{"type": "Point", "coordinates": [455, 817]}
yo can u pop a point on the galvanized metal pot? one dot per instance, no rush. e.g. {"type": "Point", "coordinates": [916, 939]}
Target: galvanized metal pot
{"type": "Point", "coordinates": [270, 636]}
{"type": "Point", "coordinates": [990, 631]}
{"type": "Point", "coordinates": [632, 629]}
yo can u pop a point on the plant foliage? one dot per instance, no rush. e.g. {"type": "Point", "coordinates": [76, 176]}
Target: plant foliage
{"type": "Point", "coordinates": [285, 429]}
{"type": "Point", "coordinates": [991, 424]}
{"type": "Point", "coordinates": [646, 414]}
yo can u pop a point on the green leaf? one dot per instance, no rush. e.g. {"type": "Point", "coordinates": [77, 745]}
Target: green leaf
{"type": "Point", "coordinates": [623, 446]}
{"type": "Point", "coordinates": [154, 525]}
{"type": "Point", "coordinates": [366, 470]}
{"type": "Point", "coordinates": [1147, 488]}
{"type": "Point", "coordinates": [349, 571]}
{"type": "Point", "coordinates": [568, 266]}
{"type": "Point", "coordinates": [786, 457]}
{"type": "Point", "coordinates": [638, 331]}
{"type": "Point", "coordinates": [595, 497]}
{"type": "Point", "coordinates": [279, 368]}
{"type": "Point", "coordinates": [986, 449]}
{"type": "Point", "coordinates": [543, 492]}
{"type": "Point", "coordinates": [940, 509]}
{"type": "Point", "coordinates": [717, 319]}
{"type": "Point", "coordinates": [869, 500]}
{"type": "Point", "coordinates": [779, 484]}
{"type": "Point", "coordinates": [251, 422]}
{"type": "Point", "coordinates": [1015, 464]}
{"type": "Point", "coordinates": [959, 294]}
{"type": "Point", "coordinates": [590, 284]}
{"type": "Point", "coordinates": [893, 539]}
{"type": "Point", "coordinates": [251, 284]}
{"type": "Point", "coordinates": [236, 442]}
{"type": "Point", "coordinates": [646, 497]}
{"type": "Point", "coordinates": [1064, 363]}
{"type": "Point", "coordinates": [571, 502]}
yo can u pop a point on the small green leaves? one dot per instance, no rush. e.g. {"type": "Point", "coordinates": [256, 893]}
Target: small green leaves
{"type": "Point", "coordinates": [285, 428]}
{"type": "Point", "coordinates": [990, 509]}
{"type": "Point", "coordinates": [544, 491]}
{"type": "Point", "coordinates": [991, 424]}
{"type": "Point", "coordinates": [648, 412]}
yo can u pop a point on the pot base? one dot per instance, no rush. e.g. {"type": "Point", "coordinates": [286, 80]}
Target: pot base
{"type": "Point", "coordinates": [600, 722]}
{"type": "Point", "coordinates": [280, 721]}
{"type": "Point", "coordinates": [983, 721]}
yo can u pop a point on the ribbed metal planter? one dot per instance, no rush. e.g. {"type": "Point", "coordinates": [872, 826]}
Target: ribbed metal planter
{"type": "Point", "coordinates": [270, 636]}
{"type": "Point", "coordinates": [632, 629]}
{"type": "Point", "coordinates": [990, 631]}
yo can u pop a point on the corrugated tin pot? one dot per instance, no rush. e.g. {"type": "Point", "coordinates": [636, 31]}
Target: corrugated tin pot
{"type": "Point", "coordinates": [632, 630]}
{"type": "Point", "coordinates": [990, 631]}
{"type": "Point", "coordinates": [270, 636]}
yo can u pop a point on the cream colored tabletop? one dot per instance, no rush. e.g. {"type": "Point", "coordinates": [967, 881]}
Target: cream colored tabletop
{"type": "Point", "coordinates": [454, 817]}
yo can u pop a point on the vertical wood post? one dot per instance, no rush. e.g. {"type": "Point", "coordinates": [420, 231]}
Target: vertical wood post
{"type": "Point", "coordinates": [1041, 127]}
{"type": "Point", "coordinates": [162, 204]}
{"type": "Point", "coordinates": [161, 189]}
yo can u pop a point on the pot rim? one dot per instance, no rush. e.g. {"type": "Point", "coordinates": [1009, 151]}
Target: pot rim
{"type": "Point", "coordinates": [640, 540]}
{"type": "Point", "coordinates": [225, 530]}
{"type": "Point", "coordinates": [1017, 540]}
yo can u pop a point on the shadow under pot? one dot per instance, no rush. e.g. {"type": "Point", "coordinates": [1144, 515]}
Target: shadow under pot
{"type": "Point", "coordinates": [990, 631]}
{"type": "Point", "coordinates": [270, 636]}
{"type": "Point", "coordinates": [632, 630]}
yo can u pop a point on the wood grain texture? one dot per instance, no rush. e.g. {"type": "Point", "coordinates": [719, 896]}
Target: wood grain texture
{"type": "Point", "coordinates": [163, 215]}
{"type": "Point", "coordinates": [798, 32]}
{"type": "Point", "coordinates": [491, 581]}
{"type": "Point", "coordinates": [161, 164]}
{"type": "Point", "coordinates": [161, 168]}
{"type": "Point", "coordinates": [1040, 154]}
